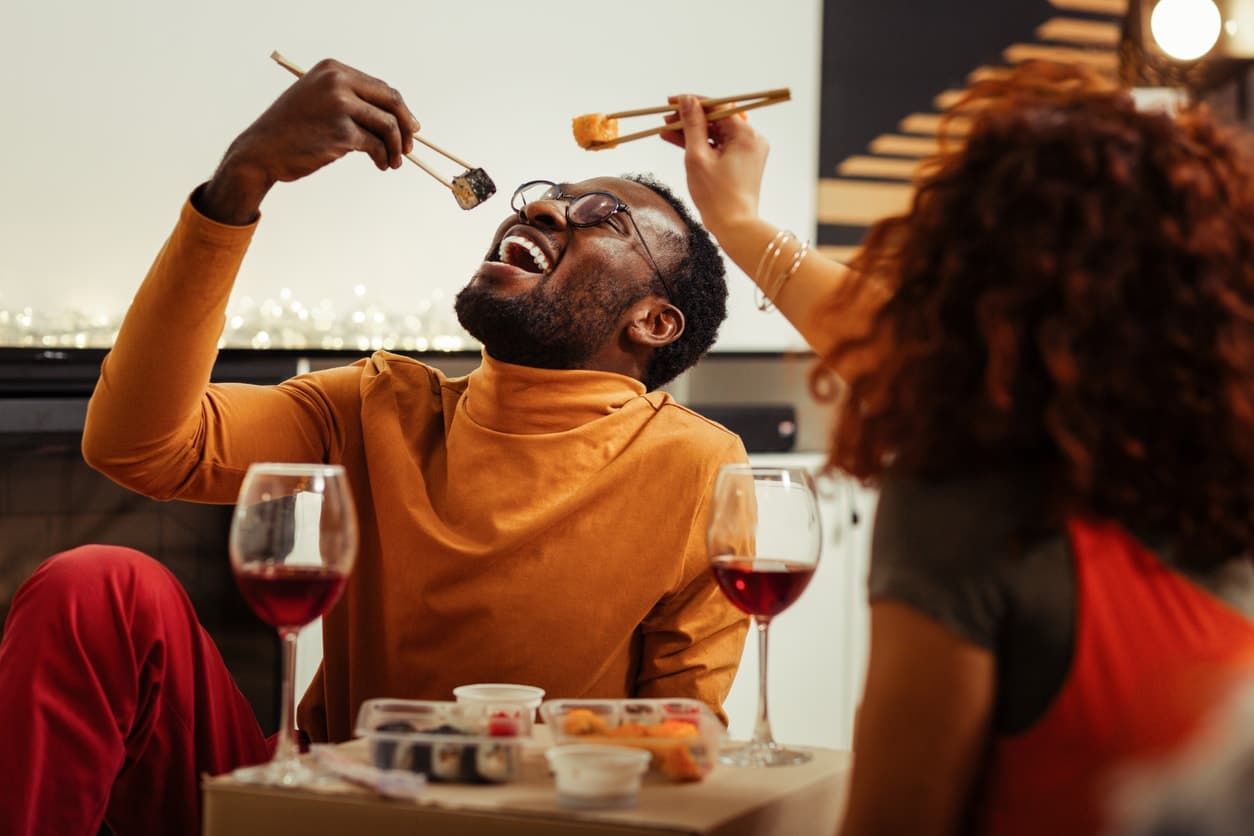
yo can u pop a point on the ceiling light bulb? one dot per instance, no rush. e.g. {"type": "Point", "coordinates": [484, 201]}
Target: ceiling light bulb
{"type": "Point", "coordinates": [1186, 29]}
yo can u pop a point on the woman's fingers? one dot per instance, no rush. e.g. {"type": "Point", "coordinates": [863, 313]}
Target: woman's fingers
{"type": "Point", "coordinates": [675, 137]}
{"type": "Point", "coordinates": [698, 129]}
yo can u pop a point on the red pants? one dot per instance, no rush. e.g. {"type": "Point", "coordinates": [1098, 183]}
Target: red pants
{"type": "Point", "coordinates": [113, 701]}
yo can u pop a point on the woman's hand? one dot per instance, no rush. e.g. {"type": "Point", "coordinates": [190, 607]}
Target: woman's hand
{"type": "Point", "coordinates": [724, 160]}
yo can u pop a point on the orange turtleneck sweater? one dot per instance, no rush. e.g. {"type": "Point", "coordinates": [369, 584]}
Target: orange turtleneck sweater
{"type": "Point", "coordinates": [517, 524]}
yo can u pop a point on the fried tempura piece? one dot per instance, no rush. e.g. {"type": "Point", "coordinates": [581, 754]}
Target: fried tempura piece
{"type": "Point", "coordinates": [593, 128]}
{"type": "Point", "coordinates": [583, 721]}
{"type": "Point", "coordinates": [672, 728]}
{"type": "Point", "coordinates": [629, 730]}
{"type": "Point", "coordinates": [675, 761]}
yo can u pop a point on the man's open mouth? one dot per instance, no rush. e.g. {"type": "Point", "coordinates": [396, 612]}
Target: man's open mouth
{"type": "Point", "coordinates": [520, 252]}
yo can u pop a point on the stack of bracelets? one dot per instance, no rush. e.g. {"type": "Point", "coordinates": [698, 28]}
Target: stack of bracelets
{"type": "Point", "coordinates": [769, 284]}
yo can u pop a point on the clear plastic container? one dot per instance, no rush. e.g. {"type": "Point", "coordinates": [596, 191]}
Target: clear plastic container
{"type": "Point", "coordinates": [446, 741]}
{"type": "Point", "coordinates": [503, 697]}
{"type": "Point", "coordinates": [682, 735]}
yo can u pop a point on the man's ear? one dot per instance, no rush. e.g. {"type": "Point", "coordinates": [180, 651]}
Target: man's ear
{"type": "Point", "coordinates": [653, 322]}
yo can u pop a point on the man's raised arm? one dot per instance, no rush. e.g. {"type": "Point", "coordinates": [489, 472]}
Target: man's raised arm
{"type": "Point", "coordinates": [154, 422]}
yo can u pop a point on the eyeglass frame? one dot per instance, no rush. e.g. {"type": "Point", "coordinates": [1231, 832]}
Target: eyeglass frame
{"type": "Point", "coordinates": [570, 199]}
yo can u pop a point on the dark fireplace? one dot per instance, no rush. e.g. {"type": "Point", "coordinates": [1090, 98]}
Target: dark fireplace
{"type": "Point", "coordinates": [50, 500]}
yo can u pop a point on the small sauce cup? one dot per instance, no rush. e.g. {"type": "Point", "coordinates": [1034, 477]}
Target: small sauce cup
{"type": "Point", "coordinates": [593, 776]}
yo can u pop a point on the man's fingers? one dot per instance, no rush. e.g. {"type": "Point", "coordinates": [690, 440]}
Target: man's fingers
{"type": "Point", "coordinates": [365, 139]}
{"type": "Point", "coordinates": [384, 127]}
{"type": "Point", "coordinates": [389, 99]}
{"type": "Point", "coordinates": [336, 109]}
{"type": "Point", "coordinates": [374, 105]}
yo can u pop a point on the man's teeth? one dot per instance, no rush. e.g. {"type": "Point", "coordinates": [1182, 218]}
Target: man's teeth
{"type": "Point", "coordinates": [537, 255]}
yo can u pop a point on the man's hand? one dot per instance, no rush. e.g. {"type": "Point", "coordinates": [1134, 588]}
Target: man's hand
{"type": "Point", "coordinates": [331, 111]}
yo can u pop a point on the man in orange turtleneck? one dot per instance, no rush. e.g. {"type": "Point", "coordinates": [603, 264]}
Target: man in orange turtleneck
{"type": "Point", "coordinates": [540, 520]}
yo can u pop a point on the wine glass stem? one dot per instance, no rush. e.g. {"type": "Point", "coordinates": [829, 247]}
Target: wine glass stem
{"type": "Point", "coordinates": [287, 749]}
{"type": "Point", "coordinates": [762, 727]}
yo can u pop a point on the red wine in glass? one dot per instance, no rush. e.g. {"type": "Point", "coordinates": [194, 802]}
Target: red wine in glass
{"type": "Point", "coordinates": [293, 543]}
{"type": "Point", "coordinates": [759, 586]}
{"type": "Point", "coordinates": [760, 510]}
{"type": "Point", "coordinates": [285, 595]}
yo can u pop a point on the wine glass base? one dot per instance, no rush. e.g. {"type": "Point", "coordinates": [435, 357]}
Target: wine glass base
{"type": "Point", "coordinates": [763, 754]}
{"type": "Point", "coordinates": [293, 773]}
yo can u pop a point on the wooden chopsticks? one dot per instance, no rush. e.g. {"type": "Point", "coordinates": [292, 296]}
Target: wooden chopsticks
{"type": "Point", "coordinates": [470, 188]}
{"type": "Point", "coordinates": [781, 94]}
{"type": "Point", "coordinates": [750, 101]}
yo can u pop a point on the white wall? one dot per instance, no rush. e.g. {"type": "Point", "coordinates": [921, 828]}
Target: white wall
{"type": "Point", "coordinates": [114, 111]}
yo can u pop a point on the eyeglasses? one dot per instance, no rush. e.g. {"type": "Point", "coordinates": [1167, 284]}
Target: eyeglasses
{"type": "Point", "coordinates": [583, 210]}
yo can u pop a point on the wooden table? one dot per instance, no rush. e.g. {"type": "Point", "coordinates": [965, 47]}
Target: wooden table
{"type": "Point", "coordinates": [784, 800]}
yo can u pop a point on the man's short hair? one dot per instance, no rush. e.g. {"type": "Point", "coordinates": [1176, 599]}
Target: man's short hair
{"type": "Point", "coordinates": [700, 285]}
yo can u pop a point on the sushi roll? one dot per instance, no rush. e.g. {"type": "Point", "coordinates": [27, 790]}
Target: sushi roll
{"type": "Point", "coordinates": [420, 758]}
{"type": "Point", "coordinates": [446, 761]}
{"type": "Point", "coordinates": [385, 750]}
{"type": "Point", "coordinates": [473, 188]}
{"type": "Point", "coordinates": [593, 129]}
{"type": "Point", "coordinates": [495, 762]}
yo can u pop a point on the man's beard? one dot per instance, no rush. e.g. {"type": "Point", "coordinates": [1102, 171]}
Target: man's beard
{"type": "Point", "coordinates": [544, 328]}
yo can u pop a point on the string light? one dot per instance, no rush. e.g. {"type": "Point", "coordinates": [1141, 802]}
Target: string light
{"type": "Point", "coordinates": [272, 323]}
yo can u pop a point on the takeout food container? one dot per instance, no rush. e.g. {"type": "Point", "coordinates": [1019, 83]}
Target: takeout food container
{"type": "Point", "coordinates": [682, 735]}
{"type": "Point", "coordinates": [590, 775]}
{"type": "Point", "coordinates": [446, 741]}
{"type": "Point", "coordinates": [503, 697]}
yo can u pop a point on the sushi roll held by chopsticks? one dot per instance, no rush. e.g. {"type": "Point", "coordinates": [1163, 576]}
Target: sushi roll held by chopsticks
{"type": "Point", "coordinates": [597, 131]}
{"type": "Point", "coordinates": [470, 188]}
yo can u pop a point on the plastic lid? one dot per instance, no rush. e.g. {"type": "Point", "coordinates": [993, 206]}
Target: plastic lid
{"type": "Point", "coordinates": [500, 692]}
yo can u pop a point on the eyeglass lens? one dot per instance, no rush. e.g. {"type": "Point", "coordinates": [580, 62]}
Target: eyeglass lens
{"type": "Point", "coordinates": [587, 209]}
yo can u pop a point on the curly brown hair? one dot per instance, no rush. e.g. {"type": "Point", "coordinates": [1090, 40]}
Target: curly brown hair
{"type": "Point", "coordinates": [1071, 294]}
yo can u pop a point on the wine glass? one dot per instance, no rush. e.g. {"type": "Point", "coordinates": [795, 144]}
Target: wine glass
{"type": "Point", "coordinates": [763, 540]}
{"type": "Point", "coordinates": [293, 542]}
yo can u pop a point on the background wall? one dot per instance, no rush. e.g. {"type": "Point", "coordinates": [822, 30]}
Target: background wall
{"type": "Point", "coordinates": [117, 110]}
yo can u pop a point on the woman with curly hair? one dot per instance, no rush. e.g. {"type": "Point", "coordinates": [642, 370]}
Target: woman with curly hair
{"type": "Point", "coordinates": [1046, 367]}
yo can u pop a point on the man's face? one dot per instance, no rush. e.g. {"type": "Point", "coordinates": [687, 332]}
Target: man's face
{"type": "Point", "coordinates": [550, 295]}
